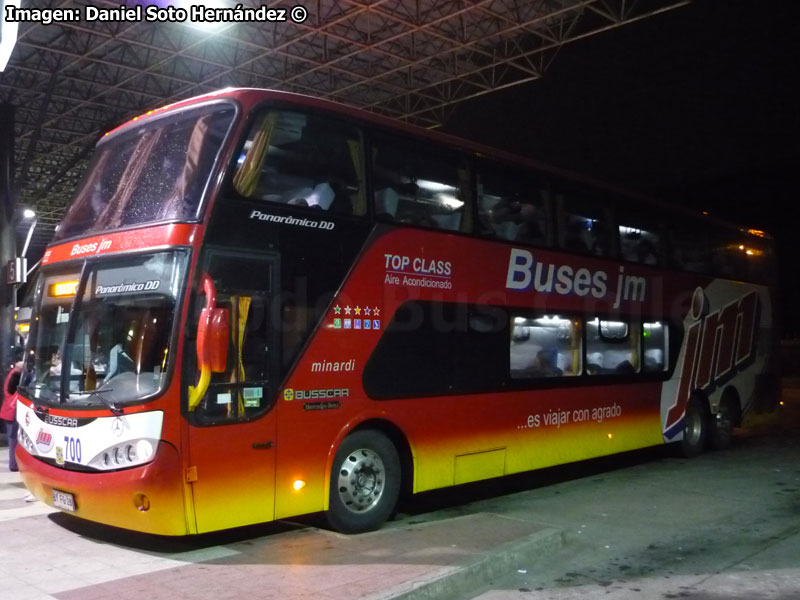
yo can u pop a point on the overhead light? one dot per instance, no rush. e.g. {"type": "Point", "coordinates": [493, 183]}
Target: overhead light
{"type": "Point", "coordinates": [8, 34]}
{"type": "Point", "coordinates": [450, 201]}
{"type": "Point", "coordinates": [29, 213]}
{"type": "Point", "coordinates": [434, 186]}
{"type": "Point", "coordinates": [208, 26]}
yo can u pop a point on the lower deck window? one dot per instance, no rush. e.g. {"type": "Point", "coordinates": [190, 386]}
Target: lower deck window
{"type": "Point", "coordinates": [654, 346]}
{"type": "Point", "coordinates": [612, 347]}
{"type": "Point", "coordinates": [434, 349]}
{"type": "Point", "coordinates": [546, 346]}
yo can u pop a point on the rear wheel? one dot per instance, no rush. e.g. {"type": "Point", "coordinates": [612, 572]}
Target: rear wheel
{"type": "Point", "coordinates": [365, 482]}
{"type": "Point", "coordinates": [721, 430]}
{"type": "Point", "coordinates": [694, 429]}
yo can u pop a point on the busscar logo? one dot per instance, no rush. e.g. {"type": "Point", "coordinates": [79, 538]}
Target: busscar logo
{"type": "Point", "coordinates": [290, 394]}
{"type": "Point", "coordinates": [61, 421]}
{"type": "Point", "coordinates": [321, 394]}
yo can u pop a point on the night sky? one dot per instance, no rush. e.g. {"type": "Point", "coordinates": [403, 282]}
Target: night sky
{"type": "Point", "coordinates": [698, 106]}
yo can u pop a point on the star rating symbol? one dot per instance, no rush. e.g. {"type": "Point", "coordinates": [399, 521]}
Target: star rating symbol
{"type": "Point", "coordinates": [358, 310]}
{"type": "Point", "coordinates": [347, 310]}
{"type": "Point", "coordinates": [376, 311]}
{"type": "Point", "coordinates": [367, 310]}
{"type": "Point", "coordinates": [337, 309]}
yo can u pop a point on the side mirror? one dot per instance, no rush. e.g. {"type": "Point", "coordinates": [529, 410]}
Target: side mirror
{"type": "Point", "coordinates": [217, 339]}
{"type": "Point", "coordinates": [212, 342]}
{"type": "Point", "coordinates": [212, 331]}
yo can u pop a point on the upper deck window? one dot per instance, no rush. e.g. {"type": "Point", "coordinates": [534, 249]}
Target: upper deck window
{"type": "Point", "coordinates": [583, 225]}
{"type": "Point", "coordinates": [512, 206]}
{"type": "Point", "coordinates": [157, 171]}
{"type": "Point", "coordinates": [640, 234]}
{"type": "Point", "coordinates": [303, 160]}
{"type": "Point", "coordinates": [419, 185]}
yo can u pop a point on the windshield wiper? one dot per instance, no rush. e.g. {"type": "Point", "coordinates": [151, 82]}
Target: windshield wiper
{"type": "Point", "coordinates": [39, 404]}
{"type": "Point", "coordinates": [115, 410]}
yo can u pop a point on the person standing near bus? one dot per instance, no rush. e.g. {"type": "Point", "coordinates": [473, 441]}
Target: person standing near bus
{"type": "Point", "coordinates": [8, 412]}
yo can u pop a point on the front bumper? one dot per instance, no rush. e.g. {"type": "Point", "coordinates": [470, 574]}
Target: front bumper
{"type": "Point", "coordinates": [109, 497]}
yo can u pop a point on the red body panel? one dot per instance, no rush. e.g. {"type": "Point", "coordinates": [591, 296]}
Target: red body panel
{"type": "Point", "coordinates": [109, 497]}
{"type": "Point", "coordinates": [452, 438]}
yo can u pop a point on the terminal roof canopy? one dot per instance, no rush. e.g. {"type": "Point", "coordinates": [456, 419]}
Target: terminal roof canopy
{"type": "Point", "coordinates": [414, 60]}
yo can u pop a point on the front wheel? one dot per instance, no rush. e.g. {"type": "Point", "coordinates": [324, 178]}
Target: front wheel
{"type": "Point", "coordinates": [694, 429]}
{"type": "Point", "coordinates": [365, 482]}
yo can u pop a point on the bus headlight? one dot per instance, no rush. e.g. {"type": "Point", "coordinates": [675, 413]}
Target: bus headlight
{"type": "Point", "coordinates": [144, 450]}
{"type": "Point", "coordinates": [132, 453]}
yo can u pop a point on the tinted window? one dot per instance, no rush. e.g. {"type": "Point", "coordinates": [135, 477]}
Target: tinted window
{"type": "Point", "coordinates": [545, 346]}
{"type": "Point", "coordinates": [303, 160]}
{"type": "Point", "coordinates": [655, 336]}
{"type": "Point", "coordinates": [583, 225]}
{"type": "Point", "coordinates": [154, 172]}
{"type": "Point", "coordinates": [690, 246]}
{"type": "Point", "coordinates": [419, 185]}
{"type": "Point", "coordinates": [612, 347]}
{"type": "Point", "coordinates": [434, 348]}
{"type": "Point", "coordinates": [512, 207]}
{"type": "Point", "coordinates": [640, 238]}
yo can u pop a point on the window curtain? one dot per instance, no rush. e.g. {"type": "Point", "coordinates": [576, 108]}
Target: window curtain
{"type": "Point", "coordinates": [357, 156]}
{"type": "Point", "coordinates": [246, 179]}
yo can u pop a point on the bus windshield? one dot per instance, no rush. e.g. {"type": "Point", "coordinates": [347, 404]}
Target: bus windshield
{"type": "Point", "coordinates": [103, 334]}
{"type": "Point", "coordinates": [155, 172]}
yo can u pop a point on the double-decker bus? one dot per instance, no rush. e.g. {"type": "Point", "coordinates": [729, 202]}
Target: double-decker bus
{"type": "Point", "coordinates": [262, 305]}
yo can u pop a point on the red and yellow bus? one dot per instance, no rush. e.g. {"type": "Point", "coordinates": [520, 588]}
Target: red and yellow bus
{"type": "Point", "coordinates": [262, 305]}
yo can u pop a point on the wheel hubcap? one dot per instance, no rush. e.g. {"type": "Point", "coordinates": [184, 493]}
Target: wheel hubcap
{"type": "Point", "coordinates": [361, 480]}
{"type": "Point", "coordinates": [694, 426]}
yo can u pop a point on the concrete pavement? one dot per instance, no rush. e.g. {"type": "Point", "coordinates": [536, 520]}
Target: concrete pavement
{"type": "Point", "coordinates": [46, 554]}
{"type": "Point", "coordinates": [643, 525]}
{"type": "Point", "coordinates": [725, 525]}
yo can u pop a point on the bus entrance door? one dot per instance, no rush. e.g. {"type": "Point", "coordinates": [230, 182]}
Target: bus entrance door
{"type": "Point", "coordinates": [232, 473]}
{"type": "Point", "coordinates": [231, 433]}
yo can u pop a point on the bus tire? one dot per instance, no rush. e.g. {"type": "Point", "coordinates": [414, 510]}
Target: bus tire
{"type": "Point", "coordinates": [695, 429]}
{"type": "Point", "coordinates": [365, 482]}
{"type": "Point", "coordinates": [721, 426]}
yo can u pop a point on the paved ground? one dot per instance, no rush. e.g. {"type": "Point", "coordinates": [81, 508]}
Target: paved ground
{"type": "Point", "coordinates": [723, 526]}
{"type": "Point", "coordinates": [643, 525]}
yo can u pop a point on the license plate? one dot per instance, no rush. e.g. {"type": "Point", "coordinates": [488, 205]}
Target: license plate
{"type": "Point", "coordinates": [63, 500]}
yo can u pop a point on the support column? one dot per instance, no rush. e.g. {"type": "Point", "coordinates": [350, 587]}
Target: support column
{"type": "Point", "coordinates": [8, 242]}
